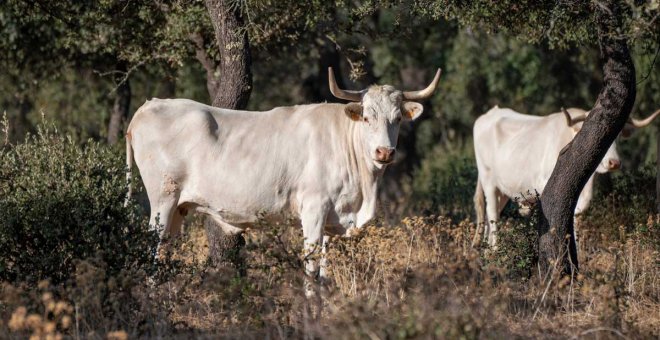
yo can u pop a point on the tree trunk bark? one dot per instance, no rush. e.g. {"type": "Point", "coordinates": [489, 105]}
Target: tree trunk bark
{"type": "Point", "coordinates": [579, 159]}
{"type": "Point", "coordinates": [234, 69]}
{"type": "Point", "coordinates": [229, 83]}
{"type": "Point", "coordinates": [657, 171]}
{"type": "Point", "coordinates": [120, 109]}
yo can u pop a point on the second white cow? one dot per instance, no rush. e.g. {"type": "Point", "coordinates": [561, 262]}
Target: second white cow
{"type": "Point", "coordinates": [516, 154]}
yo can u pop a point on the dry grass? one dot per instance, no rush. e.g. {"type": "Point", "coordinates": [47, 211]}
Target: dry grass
{"type": "Point", "coordinates": [420, 279]}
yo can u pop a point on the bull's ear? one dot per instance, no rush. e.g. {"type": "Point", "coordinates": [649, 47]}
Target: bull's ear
{"type": "Point", "coordinates": [411, 110]}
{"type": "Point", "coordinates": [353, 111]}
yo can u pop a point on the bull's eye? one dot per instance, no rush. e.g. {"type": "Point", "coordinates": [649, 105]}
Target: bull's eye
{"type": "Point", "coordinates": [366, 120]}
{"type": "Point", "coordinates": [398, 119]}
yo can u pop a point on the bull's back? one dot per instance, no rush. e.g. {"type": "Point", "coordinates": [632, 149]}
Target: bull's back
{"type": "Point", "coordinates": [167, 134]}
{"type": "Point", "coordinates": [236, 161]}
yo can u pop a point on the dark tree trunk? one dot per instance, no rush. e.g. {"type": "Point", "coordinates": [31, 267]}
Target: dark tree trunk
{"type": "Point", "coordinates": [120, 109]}
{"type": "Point", "coordinates": [232, 90]}
{"type": "Point", "coordinates": [580, 158]}
{"type": "Point", "coordinates": [224, 249]}
{"type": "Point", "coordinates": [229, 82]}
{"type": "Point", "coordinates": [657, 179]}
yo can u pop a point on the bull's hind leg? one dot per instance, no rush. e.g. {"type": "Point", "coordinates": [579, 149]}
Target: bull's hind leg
{"type": "Point", "coordinates": [163, 218]}
{"type": "Point", "coordinates": [502, 200]}
{"type": "Point", "coordinates": [163, 200]}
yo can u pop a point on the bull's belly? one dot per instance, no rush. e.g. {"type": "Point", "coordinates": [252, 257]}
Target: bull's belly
{"type": "Point", "coordinates": [521, 191]}
{"type": "Point", "coordinates": [238, 211]}
{"type": "Point", "coordinates": [251, 212]}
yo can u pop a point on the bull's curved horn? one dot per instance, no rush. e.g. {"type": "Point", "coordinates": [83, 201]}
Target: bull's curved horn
{"type": "Point", "coordinates": [425, 93]}
{"type": "Point", "coordinates": [638, 123]}
{"type": "Point", "coordinates": [572, 121]}
{"type": "Point", "coordinates": [354, 96]}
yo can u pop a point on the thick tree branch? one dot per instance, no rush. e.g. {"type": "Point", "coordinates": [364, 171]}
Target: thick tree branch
{"type": "Point", "coordinates": [120, 109]}
{"type": "Point", "coordinates": [207, 62]}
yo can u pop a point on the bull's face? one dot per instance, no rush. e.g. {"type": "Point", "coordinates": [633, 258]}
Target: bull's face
{"type": "Point", "coordinates": [379, 118]}
{"type": "Point", "coordinates": [379, 111]}
{"type": "Point", "coordinates": [611, 160]}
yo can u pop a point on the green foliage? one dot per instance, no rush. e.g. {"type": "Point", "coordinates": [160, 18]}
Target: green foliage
{"type": "Point", "coordinates": [560, 24]}
{"type": "Point", "coordinates": [627, 201]}
{"type": "Point", "coordinates": [61, 202]}
{"type": "Point", "coordinates": [516, 253]}
{"type": "Point", "coordinates": [445, 184]}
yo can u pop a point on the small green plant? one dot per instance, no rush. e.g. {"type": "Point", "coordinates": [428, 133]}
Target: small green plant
{"type": "Point", "coordinates": [61, 202]}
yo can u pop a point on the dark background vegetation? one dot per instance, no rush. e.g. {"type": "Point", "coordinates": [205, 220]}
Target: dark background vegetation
{"type": "Point", "coordinates": [84, 67]}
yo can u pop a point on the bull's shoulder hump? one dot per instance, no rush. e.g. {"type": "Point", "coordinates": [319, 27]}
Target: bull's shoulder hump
{"type": "Point", "coordinates": [496, 115]}
{"type": "Point", "coordinates": [303, 111]}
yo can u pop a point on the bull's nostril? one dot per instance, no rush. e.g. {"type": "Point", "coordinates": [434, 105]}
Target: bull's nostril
{"type": "Point", "coordinates": [614, 164]}
{"type": "Point", "coordinates": [384, 154]}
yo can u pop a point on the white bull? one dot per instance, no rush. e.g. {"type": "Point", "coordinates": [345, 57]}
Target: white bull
{"type": "Point", "coordinates": [516, 154]}
{"type": "Point", "coordinates": [318, 163]}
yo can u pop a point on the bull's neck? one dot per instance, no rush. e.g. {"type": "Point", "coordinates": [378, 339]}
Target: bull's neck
{"type": "Point", "coordinates": [368, 175]}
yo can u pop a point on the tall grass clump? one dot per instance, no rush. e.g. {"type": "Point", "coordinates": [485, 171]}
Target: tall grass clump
{"type": "Point", "coordinates": [61, 202]}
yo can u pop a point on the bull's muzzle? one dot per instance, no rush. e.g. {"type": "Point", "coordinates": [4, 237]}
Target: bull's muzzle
{"type": "Point", "coordinates": [385, 154]}
{"type": "Point", "coordinates": [613, 164]}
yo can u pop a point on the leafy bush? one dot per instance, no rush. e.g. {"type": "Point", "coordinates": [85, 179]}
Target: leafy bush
{"type": "Point", "coordinates": [627, 201]}
{"type": "Point", "coordinates": [445, 184]}
{"type": "Point", "coordinates": [517, 252]}
{"type": "Point", "coordinates": [60, 202]}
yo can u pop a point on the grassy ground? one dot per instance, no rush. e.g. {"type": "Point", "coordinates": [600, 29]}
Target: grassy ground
{"type": "Point", "coordinates": [420, 279]}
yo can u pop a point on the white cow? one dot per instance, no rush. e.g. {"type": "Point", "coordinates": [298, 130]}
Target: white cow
{"type": "Point", "coordinates": [317, 163]}
{"type": "Point", "coordinates": [516, 154]}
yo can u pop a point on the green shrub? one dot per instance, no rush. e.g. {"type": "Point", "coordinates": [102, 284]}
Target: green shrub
{"type": "Point", "coordinates": [445, 184]}
{"type": "Point", "coordinates": [516, 253]}
{"type": "Point", "coordinates": [627, 200]}
{"type": "Point", "coordinates": [61, 202]}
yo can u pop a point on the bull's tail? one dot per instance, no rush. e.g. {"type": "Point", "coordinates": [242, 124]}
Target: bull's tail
{"type": "Point", "coordinates": [480, 207]}
{"type": "Point", "coordinates": [129, 167]}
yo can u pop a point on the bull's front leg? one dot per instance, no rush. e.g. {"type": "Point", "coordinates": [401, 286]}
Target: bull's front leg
{"type": "Point", "coordinates": [490, 192]}
{"type": "Point", "coordinates": [312, 219]}
{"type": "Point", "coordinates": [323, 263]}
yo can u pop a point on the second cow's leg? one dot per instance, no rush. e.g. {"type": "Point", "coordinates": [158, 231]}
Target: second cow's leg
{"type": "Point", "coordinates": [492, 213]}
